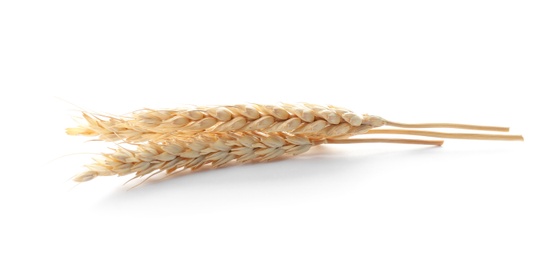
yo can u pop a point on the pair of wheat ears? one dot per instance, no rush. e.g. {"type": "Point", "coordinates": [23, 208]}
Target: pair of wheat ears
{"type": "Point", "coordinates": [171, 141]}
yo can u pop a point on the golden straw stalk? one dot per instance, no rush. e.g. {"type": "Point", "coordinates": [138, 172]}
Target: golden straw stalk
{"type": "Point", "coordinates": [179, 139]}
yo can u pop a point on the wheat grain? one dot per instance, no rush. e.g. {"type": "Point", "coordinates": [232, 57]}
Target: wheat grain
{"type": "Point", "coordinates": [150, 125]}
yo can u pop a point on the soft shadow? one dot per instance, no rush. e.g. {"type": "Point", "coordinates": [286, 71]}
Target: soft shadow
{"type": "Point", "coordinates": [323, 169]}
{"type": "Point", "coordinates": [249, 181]}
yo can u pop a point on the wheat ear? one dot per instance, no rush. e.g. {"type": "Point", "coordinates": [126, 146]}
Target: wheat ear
{"type": "Point", "coordinates": [217, 149]}
{"type": "Point", "coordinates": [308, 119]}
{"type": "Point", "coordinates": [150, 125]}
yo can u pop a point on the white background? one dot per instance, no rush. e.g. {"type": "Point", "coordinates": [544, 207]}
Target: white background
{"type": "Point", "coordinates": [482, 62]}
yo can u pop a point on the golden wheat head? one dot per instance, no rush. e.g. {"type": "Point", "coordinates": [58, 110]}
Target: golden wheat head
{"type": "Point", "coordinates": [309, 119]}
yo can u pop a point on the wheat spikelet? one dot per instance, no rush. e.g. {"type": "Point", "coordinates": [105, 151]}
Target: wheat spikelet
{"type": "Point", "coordinates": [150, 125]}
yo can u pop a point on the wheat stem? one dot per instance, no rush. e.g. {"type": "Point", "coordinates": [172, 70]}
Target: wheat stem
{"type": "Point", "coordinates": [385, 140]}
{"type": "Point", "coordinates": [471, 136]}
{"type": "Point", "coordinates": [448, 125]}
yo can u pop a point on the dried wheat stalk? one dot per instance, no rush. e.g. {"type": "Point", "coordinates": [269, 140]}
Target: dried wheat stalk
{"type": "Point", "coordinates": [217, 149]}
{"type": "Point", "coordinates": [150, 125]}
{"type": "Point", "coordinates": [175, 140]}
